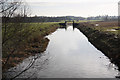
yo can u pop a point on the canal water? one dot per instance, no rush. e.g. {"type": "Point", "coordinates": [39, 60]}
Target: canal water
{"type": "Point", "coordinates": [69, 54]}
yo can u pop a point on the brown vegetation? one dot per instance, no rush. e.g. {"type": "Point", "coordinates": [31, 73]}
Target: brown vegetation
{"type": "Point", "coordinates": [36, 44]}
{"type": "Point", "coordinates": [106, 42]}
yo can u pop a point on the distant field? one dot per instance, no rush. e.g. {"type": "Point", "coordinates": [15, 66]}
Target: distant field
{"type": "Point", "coordinates": [79, 21]}
{"type": "Point", "coordinates": [107, 24]}
{"type": "Point", "coordinates": [89, 20]}
{"type": "Point", "coordinates": [111, 26]}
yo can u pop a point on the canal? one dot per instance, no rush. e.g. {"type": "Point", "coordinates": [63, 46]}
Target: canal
{"type": "Point", "coordinates": [69, 55]}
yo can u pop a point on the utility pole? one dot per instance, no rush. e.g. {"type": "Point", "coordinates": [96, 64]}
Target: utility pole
{"type": "Point", "coordinates": [119, 13]}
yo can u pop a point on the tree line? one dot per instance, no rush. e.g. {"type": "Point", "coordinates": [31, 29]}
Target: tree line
{"type": "Point", "coordinates": [25, 19]}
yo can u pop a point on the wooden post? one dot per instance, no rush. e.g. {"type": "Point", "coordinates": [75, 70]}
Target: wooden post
{"type": "Point", "coordinates": [65, 23]}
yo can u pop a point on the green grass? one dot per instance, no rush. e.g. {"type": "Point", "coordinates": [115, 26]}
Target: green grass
{"type": "Point", "coordinates": [20, 34]}
{"type": "Point", "coordinates": [87, 21]}
{"type": "Point", "coordinates": [26, 39]}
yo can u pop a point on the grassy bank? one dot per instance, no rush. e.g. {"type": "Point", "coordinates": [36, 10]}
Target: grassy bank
{"type": "Point", "coordinates": [105, 41]}
{"type": "Point", "coordinates": [25, 42]}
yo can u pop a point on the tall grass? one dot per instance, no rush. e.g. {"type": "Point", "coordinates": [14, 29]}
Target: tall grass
{"type": "Point", "coordinates": [22, 42]}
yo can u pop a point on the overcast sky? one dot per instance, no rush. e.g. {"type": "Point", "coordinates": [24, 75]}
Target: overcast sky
{"type": "Point", "coordinates": [83, 8]}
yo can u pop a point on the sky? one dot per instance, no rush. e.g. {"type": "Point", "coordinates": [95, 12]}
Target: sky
{"type": "Point", "coordinates": [84, 8]}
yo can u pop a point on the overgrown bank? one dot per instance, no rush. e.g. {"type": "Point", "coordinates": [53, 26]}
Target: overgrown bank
{"type": "Point", "coordinates": [108, 43]}
{"type": "Point", "coordinates": [29, 41]}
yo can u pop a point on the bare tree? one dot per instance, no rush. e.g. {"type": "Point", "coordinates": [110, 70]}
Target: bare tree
{"type": "Point", "coordinates": [0, 51]}
{"type": "Point", "coordinates": [13, 12]}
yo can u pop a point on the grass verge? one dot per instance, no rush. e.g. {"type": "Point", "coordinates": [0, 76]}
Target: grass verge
{"type": "Point", "coordinates": [29, 41]}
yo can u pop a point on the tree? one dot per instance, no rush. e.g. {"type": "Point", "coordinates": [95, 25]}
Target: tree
{"type": "Point", "coordinates": [13, 12]}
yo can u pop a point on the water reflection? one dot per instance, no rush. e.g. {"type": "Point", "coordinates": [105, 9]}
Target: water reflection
{"type": "Point", "coordinates": [66, 27]}
{"type": "Point", "coordinates": [70, 55]}
{"type": "Point", "coordinates": [74, 57]}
